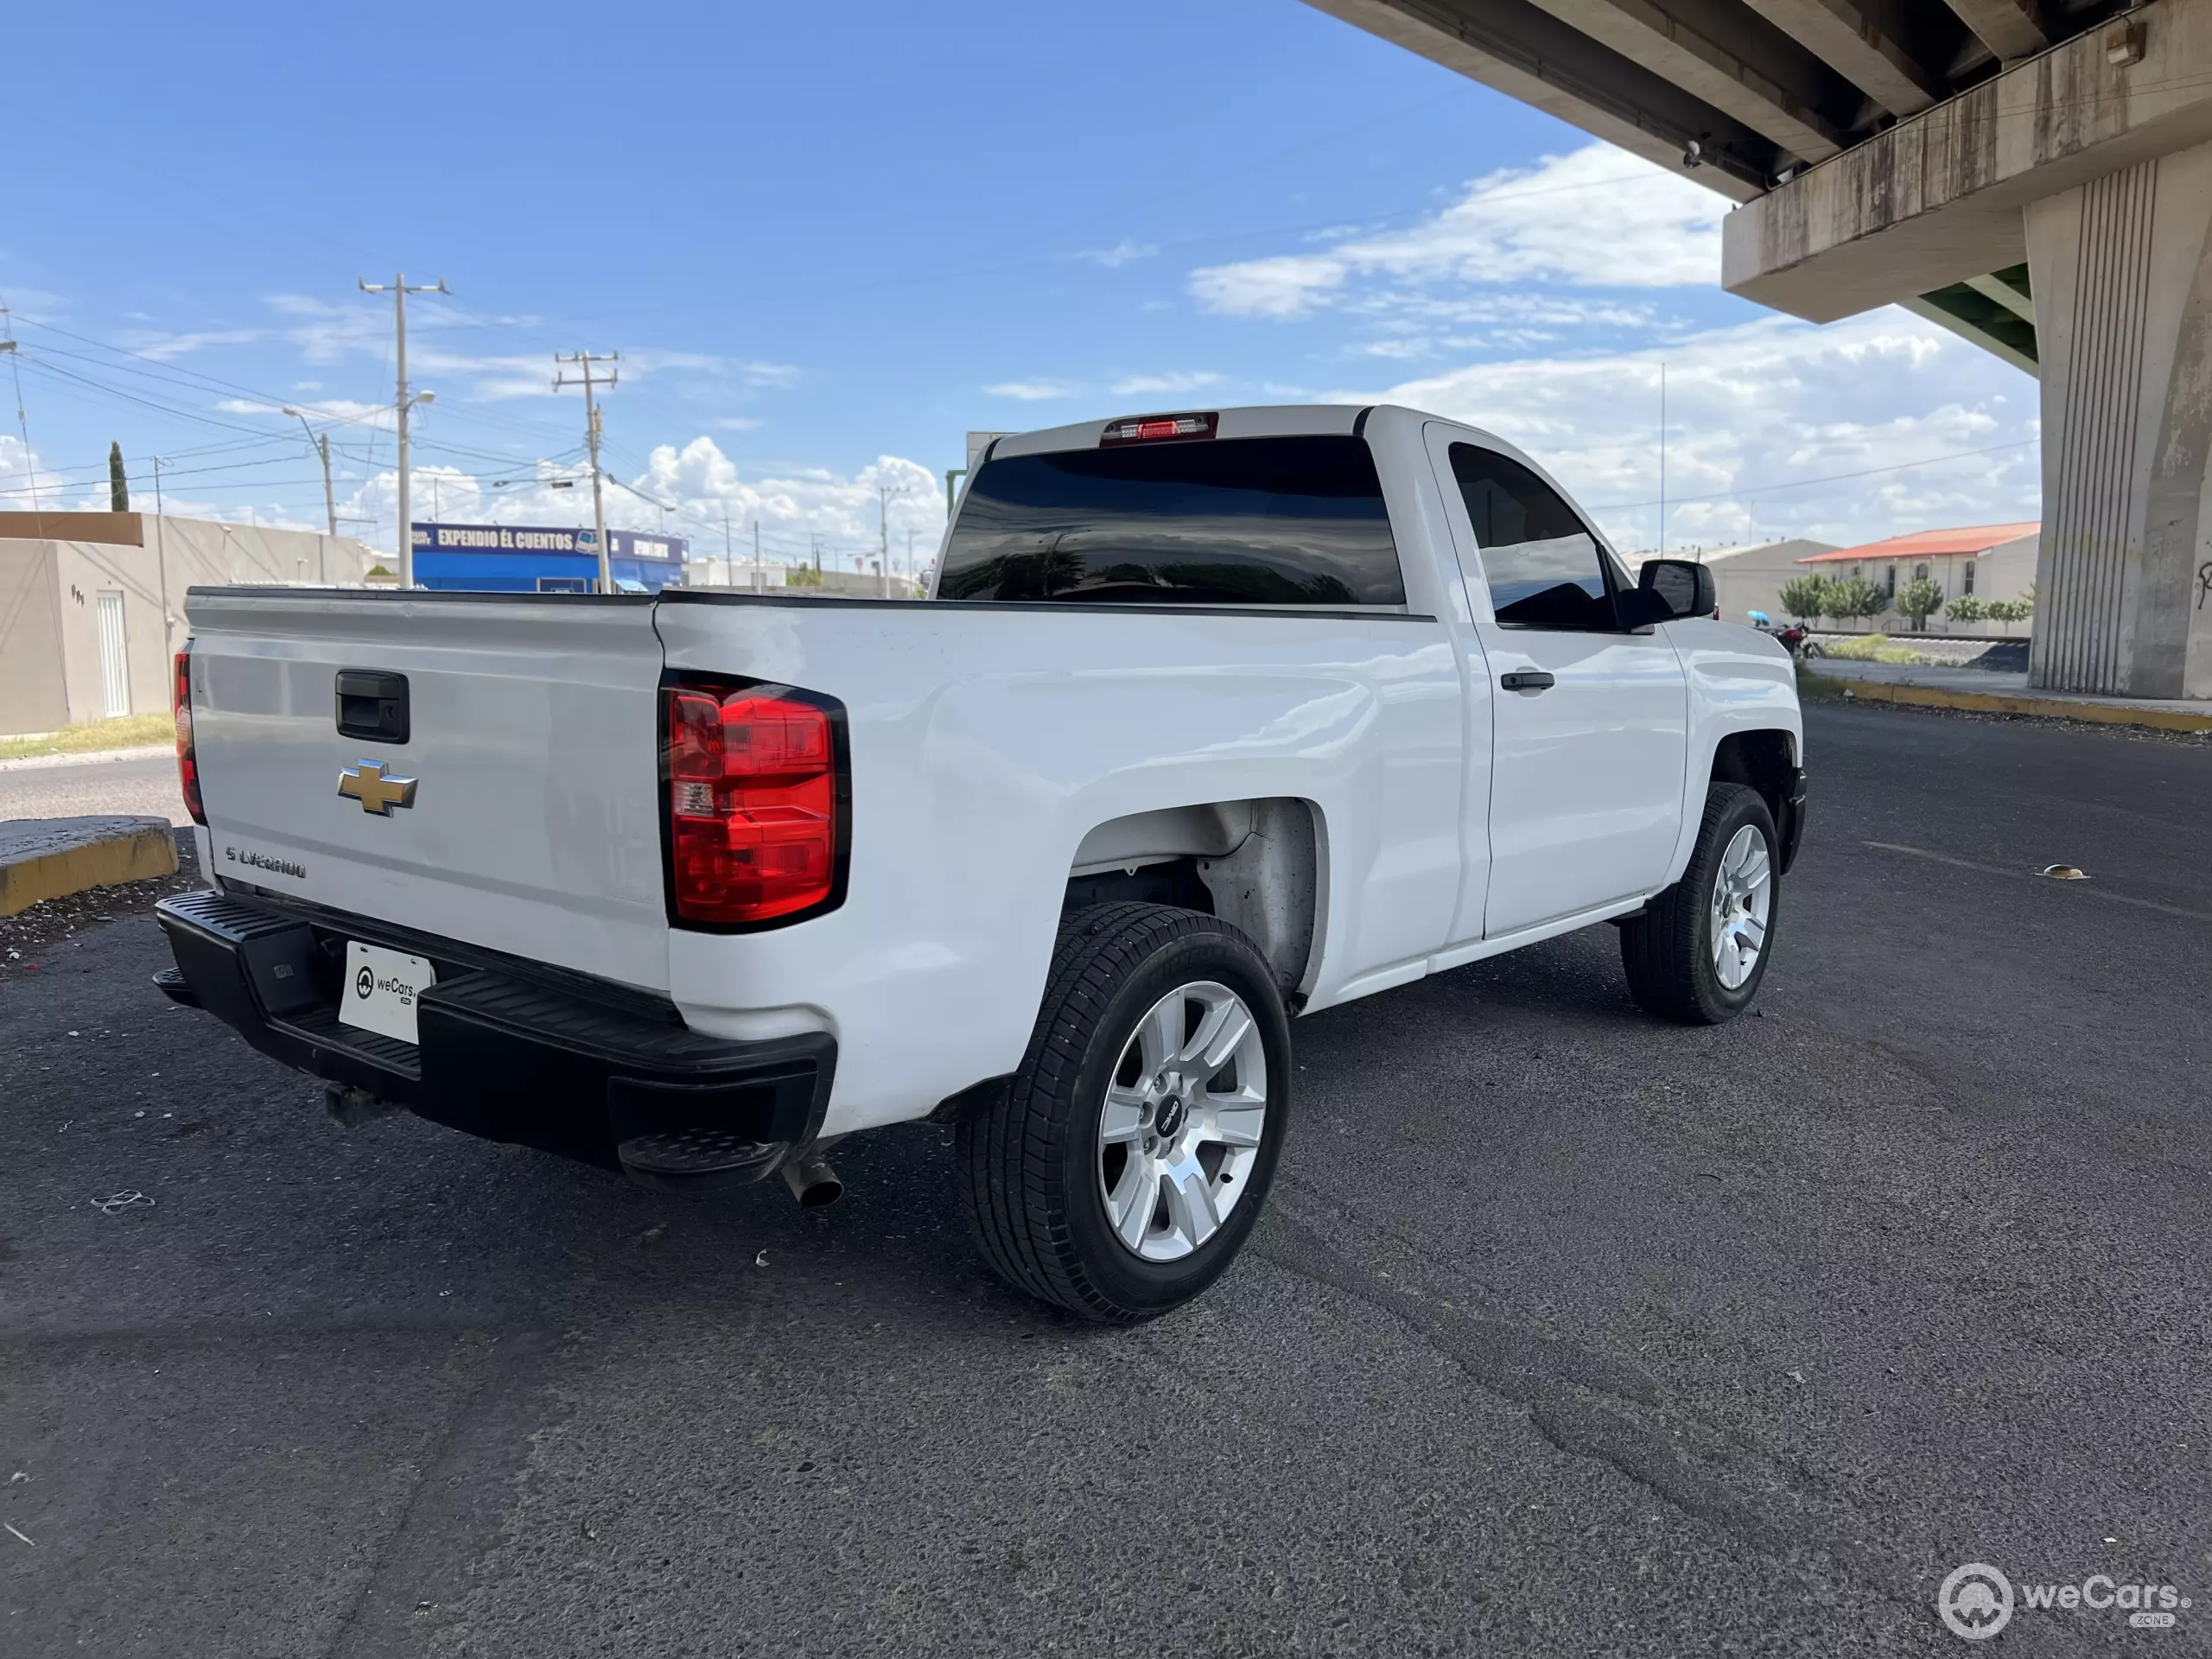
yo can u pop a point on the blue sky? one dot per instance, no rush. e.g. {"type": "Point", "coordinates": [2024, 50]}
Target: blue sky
{"type": "Point", "coordinates": [828, 241]}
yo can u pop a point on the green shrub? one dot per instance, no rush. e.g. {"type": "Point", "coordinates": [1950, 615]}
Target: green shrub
{"type": "Point", "coordinates": [1967, 608]}
{"type": "Point", "coordinates": [1803, 597]}
{"type": "Point", "coordinates": [1853, 597]}
{"type": "Point", "coordinates": [1916, 599]}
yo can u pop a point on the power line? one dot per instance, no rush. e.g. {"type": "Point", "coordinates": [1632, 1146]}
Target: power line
{"type": "Point", "coordinates": [1828, 478]}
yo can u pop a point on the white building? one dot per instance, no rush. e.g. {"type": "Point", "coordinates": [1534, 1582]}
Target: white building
{"type": "Point", "coordinates": [1974, 561]}
{"type": "Point", "coordinates": [91, 604]}
{"type": "Point", "coordinates": [1748, 579]}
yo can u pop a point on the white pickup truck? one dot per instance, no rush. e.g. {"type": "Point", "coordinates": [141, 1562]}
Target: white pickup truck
{"type": "Point", "coordinates": [1213, 719]}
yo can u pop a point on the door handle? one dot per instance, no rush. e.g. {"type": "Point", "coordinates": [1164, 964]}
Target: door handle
{"type": "Point", "coordinates": [1526, 679]}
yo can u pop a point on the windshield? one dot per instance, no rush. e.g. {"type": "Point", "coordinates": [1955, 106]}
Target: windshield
{"type": "Point", "coordinates": [1246, 521]}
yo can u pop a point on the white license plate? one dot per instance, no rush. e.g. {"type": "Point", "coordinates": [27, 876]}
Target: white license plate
{"type": "Point", "coordinates": [382, 987]}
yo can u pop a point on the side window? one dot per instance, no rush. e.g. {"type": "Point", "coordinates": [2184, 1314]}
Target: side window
{"type": "Point", "coordinates": [1543, 566]}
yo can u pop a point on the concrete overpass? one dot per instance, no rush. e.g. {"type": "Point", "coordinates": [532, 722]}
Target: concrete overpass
{"type": "Point", "coordinates": [2035, 174]}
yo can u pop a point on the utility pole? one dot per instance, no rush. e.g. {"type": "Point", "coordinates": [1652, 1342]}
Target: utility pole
{"type": "Point", "coordinates": [729, 555]}
{"type": "Point", "coordinates": [1663, 460]}
{"type": "Point", "coordinates": [884, 492]}
{"type": "Point", "coordinates": [399, 290]}
{"type": "Point", "coordinates": [22, 421]}
{"type": "Point", "coordinates": [320, 443]}
{"type": "Point", "coordinates": [585, 360]}
{"type": "Point", "coordinates": [162, 560]}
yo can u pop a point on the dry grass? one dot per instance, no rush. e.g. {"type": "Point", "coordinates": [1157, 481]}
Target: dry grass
{"type": "Point", "coordinates": [1871, 648]}
{"type": "Point", "coordinates": [132, 732]}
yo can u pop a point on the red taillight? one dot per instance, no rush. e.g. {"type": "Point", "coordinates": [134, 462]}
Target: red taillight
{"type": "Point", "coordinates": [753, 804]}
{"type": "Point", "coordinates": [1154, 428]}
{"type": "Point", "coordinates": [187, 762]}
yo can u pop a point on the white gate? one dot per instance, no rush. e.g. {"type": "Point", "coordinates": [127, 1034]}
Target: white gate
{"type": "Point", "coordinates": [115, 660]}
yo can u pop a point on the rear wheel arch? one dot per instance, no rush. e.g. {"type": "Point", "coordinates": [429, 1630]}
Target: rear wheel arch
{"type": "Point", "coordinates": [1259, 864]}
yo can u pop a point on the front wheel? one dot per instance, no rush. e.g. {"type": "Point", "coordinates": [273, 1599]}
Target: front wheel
{"type": "Point", "coordinates": [1700, 948]}
{"type": "Point", "coordinates": [1121, 1170]}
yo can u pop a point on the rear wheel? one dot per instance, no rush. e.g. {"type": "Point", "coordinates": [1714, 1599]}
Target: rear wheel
{"type": "Point", "coordinates": [1122, 1168]}
{"type": "Point", "coordinates": [1700, 950]}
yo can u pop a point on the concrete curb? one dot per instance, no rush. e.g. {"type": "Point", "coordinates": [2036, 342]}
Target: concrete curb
{"type": "Point", "coordinates": [2006, 702]}
{"type": "Point", "coordinates": [84, 758]}
{"type": "Point", "coordinates": [51, 858]}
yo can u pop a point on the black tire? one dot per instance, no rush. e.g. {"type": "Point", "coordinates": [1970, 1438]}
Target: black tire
{"type": "Point", "coordinates": [1667, 950]}
{"type": "Point", "coordinates": [1813, 648]}
{"type": "Point", "coordinates": [1029, 1163]}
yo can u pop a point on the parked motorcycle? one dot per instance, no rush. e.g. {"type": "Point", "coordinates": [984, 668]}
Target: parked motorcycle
{"type": "Point", "coordinates": [1796, 639]}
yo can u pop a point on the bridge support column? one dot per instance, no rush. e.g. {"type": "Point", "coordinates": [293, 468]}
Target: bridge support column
{"type": "Point", "coordinates": [2122, 273]}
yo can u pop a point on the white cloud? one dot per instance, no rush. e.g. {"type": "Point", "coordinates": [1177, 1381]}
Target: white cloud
{"type": "Point", "coordinates": [26, 483]}
{"type": "Point", "coordinates": [1033, 391]}
{"type": "Point", "coordinates": [328, 411]}
{"type": "Point", "coordinates": [798, 509]}
{"type": "Point", "coordinates": [1764, 404]}
{"type": "Point", "coordinates": [1138, 385]}
{"type": "Point", "coordinates": [1123, 252]}
{"type": "Point", "coordinates": [164, 347]}
{"type": "Point", "coordinates": [1597, 217]}
{"type": "Point", "coordinates": [1285, 286]}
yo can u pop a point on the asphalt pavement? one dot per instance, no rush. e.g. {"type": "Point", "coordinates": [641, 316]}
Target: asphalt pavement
{"type": "Point", "coordinates": [141, 782]}
{"type": "Point", "coordinates": [1564, 1332]}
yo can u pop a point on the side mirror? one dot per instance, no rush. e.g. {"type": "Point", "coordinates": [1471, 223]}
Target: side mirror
{"type": "Point", "coordinates": [1684, 587]}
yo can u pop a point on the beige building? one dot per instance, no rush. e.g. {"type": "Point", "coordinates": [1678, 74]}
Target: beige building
{"type": "Point", "coordinates": [91, 604]}
{"type": "Point", "coordinates": [1975, 560]}
{"type": "Point", "coordinates": [1748, 579]}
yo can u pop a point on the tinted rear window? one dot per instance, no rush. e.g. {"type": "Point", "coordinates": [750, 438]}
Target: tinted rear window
{"type": "Point", "coordinates": [1240, 521]}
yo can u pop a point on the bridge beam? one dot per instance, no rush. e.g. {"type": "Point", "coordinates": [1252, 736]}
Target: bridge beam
{"type": "Point", "coordinates": [1861, 48]}
{"type": "Point", "coordinates": [1731, 58]}
{"type": "Point", "coordinates": [2011, 29]}
{"type": "Point", "coordinates": [1527, 54]}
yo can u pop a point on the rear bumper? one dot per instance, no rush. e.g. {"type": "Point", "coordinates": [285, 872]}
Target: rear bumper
{"type": "Point", "coordinates": [592, 1070]}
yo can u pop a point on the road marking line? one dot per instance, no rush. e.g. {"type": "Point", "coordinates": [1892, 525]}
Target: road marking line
{"type": "Point", "coordinates": [2030, 875]}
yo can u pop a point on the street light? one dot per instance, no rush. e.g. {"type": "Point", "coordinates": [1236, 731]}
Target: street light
{"type": "Point", "coordinates": [321, 446]}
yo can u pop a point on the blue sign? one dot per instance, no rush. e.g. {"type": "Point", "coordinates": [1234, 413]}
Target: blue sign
{"type": "Point", "coordinates": [538, 538]}
{"type": "Point", "coordinates": [544, 559]}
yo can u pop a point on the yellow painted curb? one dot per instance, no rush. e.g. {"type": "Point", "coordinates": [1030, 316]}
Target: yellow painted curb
{"type": "Point", "coordinates": [2004, 702]}
{"type": "Point", "coordinates": [135, 855]}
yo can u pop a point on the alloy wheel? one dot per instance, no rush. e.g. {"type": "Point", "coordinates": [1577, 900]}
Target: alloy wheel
{"type": "Point", "coordinates": [1185, 1113]}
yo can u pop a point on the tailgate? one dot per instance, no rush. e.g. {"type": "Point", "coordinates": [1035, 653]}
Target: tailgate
{"type": "Point", "coordinates": [533, 826]}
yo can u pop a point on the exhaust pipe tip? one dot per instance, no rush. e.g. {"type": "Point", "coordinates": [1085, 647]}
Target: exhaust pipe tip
{"type": "Point", "coordinates": [812, 1182]}
{"type": "Point", "coordinates": [350, 1107]}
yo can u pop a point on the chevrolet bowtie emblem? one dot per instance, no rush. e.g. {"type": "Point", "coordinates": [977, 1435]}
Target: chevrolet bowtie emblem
{"type": "Point", "coordinates": [376, 790]}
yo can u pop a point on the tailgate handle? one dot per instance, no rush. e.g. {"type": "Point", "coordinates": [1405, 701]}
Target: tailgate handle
{"type": "Point", "coordinates": [372, 705]}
